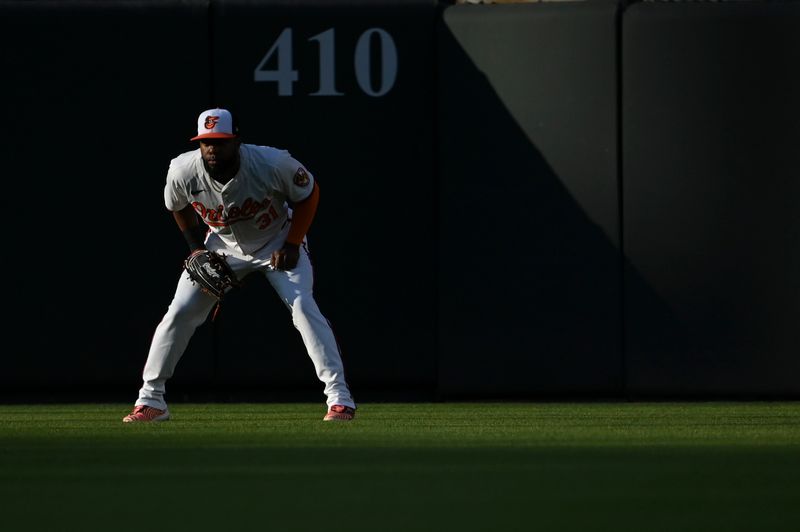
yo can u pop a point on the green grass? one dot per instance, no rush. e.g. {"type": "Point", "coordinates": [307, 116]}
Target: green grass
{"type": "Point", "coordinates": [404, 467]}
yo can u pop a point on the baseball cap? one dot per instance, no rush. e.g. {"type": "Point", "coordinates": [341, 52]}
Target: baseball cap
{"type": "Point", "coordinates": [215, 124]}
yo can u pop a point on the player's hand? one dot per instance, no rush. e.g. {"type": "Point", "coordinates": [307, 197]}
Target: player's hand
{"type": "Point", "coordinates": [286, 258]}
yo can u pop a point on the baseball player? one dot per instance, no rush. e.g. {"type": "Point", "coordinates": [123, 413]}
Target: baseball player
{"type": "Point", "coordinates": [240, 191]}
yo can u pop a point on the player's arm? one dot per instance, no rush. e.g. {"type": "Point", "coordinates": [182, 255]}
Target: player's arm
{"type": "Point", "coordinates": [302, 215]}
{"type": "Point", "coordinates": [191, 228]}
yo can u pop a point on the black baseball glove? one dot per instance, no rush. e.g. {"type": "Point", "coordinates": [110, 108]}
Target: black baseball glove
{"type": "Point", "coordinates": [210, 270]}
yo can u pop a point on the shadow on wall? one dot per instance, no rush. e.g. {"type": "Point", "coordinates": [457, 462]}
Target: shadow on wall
{"type": "Point", "coordinates": [530, 284]}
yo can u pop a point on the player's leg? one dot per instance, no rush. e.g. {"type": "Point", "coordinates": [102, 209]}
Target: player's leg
{"type": "Point", "coordinates": [188, 310]}
{"type": "Point", "coordinates": [295, 288]}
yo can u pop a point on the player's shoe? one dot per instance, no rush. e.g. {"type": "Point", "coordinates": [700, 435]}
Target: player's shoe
{"type": "Point", "coordinates": [144, 413]}
{"type": "Point", "coordinates": [340, 413]}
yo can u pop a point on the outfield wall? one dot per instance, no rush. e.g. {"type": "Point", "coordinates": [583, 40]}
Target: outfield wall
{"type": "Point", "coordinates": [581, 199]}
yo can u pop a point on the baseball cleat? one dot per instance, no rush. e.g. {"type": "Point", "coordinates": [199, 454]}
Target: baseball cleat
{"type": "Point", "coordinates": [340, 413]}
{"type": "Point", "coordinates": [143, 413]}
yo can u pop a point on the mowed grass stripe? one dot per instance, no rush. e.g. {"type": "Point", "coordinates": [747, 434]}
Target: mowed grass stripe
{"type": "Point", "coordinates": [465, 467]}
{"type": "Point", "coordinates": [456, 424]}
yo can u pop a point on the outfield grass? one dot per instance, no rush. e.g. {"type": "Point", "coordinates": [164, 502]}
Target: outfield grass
{"type": "Point", "coordinates": [404, 467]}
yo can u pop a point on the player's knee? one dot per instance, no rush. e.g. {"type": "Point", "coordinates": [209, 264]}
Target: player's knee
{"type": "Point", "coordinates": [184, 316]}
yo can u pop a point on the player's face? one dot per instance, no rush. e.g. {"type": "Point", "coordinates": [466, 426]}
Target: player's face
{"type": "Point", "coordinates": [219, 155]}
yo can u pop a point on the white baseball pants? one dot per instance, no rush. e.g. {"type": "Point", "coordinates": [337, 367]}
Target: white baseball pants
{"type": "Point", "coordinates": [190, 308]}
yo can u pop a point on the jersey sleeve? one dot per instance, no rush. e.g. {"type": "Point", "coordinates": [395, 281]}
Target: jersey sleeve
{"type": "Point", "coordinates": [293, 180]}
{"type": "Point", "coordinates": [175, 194]}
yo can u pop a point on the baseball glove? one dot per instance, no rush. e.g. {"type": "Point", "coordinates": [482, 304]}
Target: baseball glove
{"type": "Point", "coordinates": [210, 270]}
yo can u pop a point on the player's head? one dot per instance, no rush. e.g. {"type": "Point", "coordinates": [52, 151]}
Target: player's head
{"type": "Point", "coordinates": [219, 140]}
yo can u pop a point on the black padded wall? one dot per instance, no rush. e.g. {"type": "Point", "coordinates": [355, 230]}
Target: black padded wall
{"type": "Point", "coordinates": [92, 95]}
{"type": "Point", "coordinates": [711, 126]}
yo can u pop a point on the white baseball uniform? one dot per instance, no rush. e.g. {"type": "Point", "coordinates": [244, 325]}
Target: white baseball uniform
{"type": "Point", "coordinates": [248, 219]}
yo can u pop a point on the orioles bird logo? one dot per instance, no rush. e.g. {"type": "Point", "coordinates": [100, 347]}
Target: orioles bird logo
{"type": "Point", "coordinates": [301, 178]}
{"type": "Point", "coordinates": [211, 122]}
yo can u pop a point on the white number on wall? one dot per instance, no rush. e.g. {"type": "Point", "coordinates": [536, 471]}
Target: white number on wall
{"type": "Point", "coordinates": [327, 64]}
{"type": "Point", "coordinates": [285, 76]}
{"type": "Point", "coordinates": [388, 62]}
